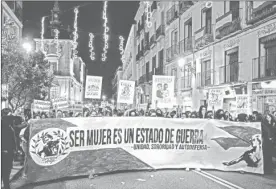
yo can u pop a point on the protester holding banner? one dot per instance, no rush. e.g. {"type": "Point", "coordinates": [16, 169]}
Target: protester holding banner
{"type": "Point", "coordinates": [202, 112]}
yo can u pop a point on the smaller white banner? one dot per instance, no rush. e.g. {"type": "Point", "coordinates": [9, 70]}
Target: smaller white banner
{"type": "Point", "coordinates": [126, 92]}
{"type": "Point", "coordinates": [60, 103]}
{"type": "Point", "coordinates": [215, 99]}
{"type": "Point", "coordinates": [41, 106]}
{"type": "Point", "coordinates": [243, 103]}
{"type": "Point", "coordinates": [93, 87]}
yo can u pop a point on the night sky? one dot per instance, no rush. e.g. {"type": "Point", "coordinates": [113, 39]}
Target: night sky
{"type": "Point", "coordinates": [120, 16]}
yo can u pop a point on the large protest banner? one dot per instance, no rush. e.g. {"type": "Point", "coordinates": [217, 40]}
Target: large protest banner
{"type": "Point", "coordinates": [93, 87]}
{"type": "Point", "coordinates": [126, 92]}
{"type": "Point", "coordinates": [78, 146]}
{"type": "Point", "coordinates": [215, 99]}
{"type": "Point", "coordinates": [163, 91]}
{"type": "Point", "coordinates": [41, 106]}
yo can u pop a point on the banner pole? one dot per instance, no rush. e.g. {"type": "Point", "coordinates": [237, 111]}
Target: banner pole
{"type": "Point", "coordinates": [32, 109]}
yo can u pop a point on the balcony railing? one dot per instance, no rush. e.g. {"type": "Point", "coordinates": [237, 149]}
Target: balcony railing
{"type": "Point", "coordinates": [160, 31]}
{"type": "Point", "coordinates": [205, 78]}
{"type": "Point", "coordinates": [172, 14]}
{"type": "Point", "coordinates": [230, 27]}
{"type": "Point", "coordinates": [172, 52]}
{"type": "Point", "coordinates": [230, 72]}
{"type": "Point", "coordinates": [265, 10]}
{"type": "Point", "coordinates": [184, 6]}
{"type": "Point", "coordinates": [264, 67]}
{"type": "Point", "coordinates": [186, 45]}
{"type": "Point", "coordinates": [208, 37]}
{"type": "Point", "coordinates": [152, 40]}
{"type": "Point", "coordinates": [186, 82]}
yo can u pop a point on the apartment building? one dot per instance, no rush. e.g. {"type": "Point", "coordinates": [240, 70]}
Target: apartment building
{"type": "Point", "coordinates": [149, 48]}
{"type": "Point", "coordinates": [223, 45]}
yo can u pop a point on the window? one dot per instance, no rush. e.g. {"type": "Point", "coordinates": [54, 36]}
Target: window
{"type": "Point", "coordinates": [249, 10]}
{"type": "Point", "coordinates": [188, 29]}
{"type": "Point", "coordinates": [187, 76]}
{"type": "Point", "coordinates": [232, 65]}
{"type": "Point", "coordinates": [206, 73]}
{"type": "Point", "coordinates": [174, 37]}
{"type": "Point", "coordinates": [54, 67]}
{"type": "Point", "coordinates": [161, 58]}
{"type": "Point", "coordinates": [234, 8]}
{"type": "Point", "coordinates": [208, 21]}
{"type": "Point", "coordinates": [153, 64]}
{"type": "Point", "coordinates": [269, 63]}
{"type": "Point", "coordinates": [162, 18]}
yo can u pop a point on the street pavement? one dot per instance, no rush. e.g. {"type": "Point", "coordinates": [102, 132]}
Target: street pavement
{"type": "Point", "coordinates": [165, 179]}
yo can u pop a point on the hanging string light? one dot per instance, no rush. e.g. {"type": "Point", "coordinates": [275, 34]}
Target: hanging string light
{"type": "Point", "coordinates": [148, 13]}
{"type": "Point", "coordinates": [121, 48]}
{"type": "Point", "coordinates": [42, 34]}
{"type": "Point", "coordinates": [57, 42]}
{"type": "Point", "coordinates": [91, 38]}
{"type": "Point", "coordinates": [106, 29]}
{"type": "Point", "coordinates": [75, 43]}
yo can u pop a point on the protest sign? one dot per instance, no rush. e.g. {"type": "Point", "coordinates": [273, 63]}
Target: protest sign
{"type": "Point", "coordinates": [60, 103]}
{"type": "Point", "coordinates": [243, 104]}
{"type": "Point", "coordinates": [126, 92]}
{"type": "Point", "coordinates": [41, 106]}
{"type": "Point", "coordinates": [93, 87]}
{"type": "Point", "coordinates": [75, 146]}
{"type": "Point", "coordinates": [163, 91]}
{"type": "Point", "coordinates": [215, 99]}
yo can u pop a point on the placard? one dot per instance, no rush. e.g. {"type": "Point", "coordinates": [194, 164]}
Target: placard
{"type": "Point", "coordinates": [41, 106]}
{"type": "Point", "coordinates": [93, 87]}
{"type": "Point", "coordinates": [163, 91]}
{"type": "Point", "coordinates": [215, 99]}
{"type": "Point", "coordinates": [60, 103]}
{"type": "Point", "coordinates": [126, 92]}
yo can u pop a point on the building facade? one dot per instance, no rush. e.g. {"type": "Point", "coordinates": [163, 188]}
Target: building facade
{"type": "Point", "coordinates": [11, 29]}
{"type": "Point", "coordinates": [69, 73]}
{"type": "Point", "coordinates": [115, 84]}
{"type": "Point", "coordinates": [149, 49]}
{"type": "Point", "coordinates": [226, 45]}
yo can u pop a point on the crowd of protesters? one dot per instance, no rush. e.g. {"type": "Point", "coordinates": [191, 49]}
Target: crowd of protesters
{"type": "Point", "coordinates": [15, 129]}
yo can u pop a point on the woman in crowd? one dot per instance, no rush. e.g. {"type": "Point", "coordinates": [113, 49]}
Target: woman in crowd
{"type": "Point", "coordinates": [210, 114]}
{"type": "Point", "coordinates": [193, 114]}
{"type": "Point", "coordinates": [202, 112]}
{"type": "Point", "coordinates": [44, 115]}
{"type": "Point", "coordinates": [219, 114]}
{"type": "Point", "coordinates": [227, 116]}
{"type": "Point", "coordinates": [188, 114]}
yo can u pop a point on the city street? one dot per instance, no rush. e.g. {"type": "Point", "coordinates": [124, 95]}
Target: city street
{"type": "Point", "coordinates": [166, 179]}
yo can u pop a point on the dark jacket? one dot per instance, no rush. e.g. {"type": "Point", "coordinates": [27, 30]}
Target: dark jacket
{"type": "Point", "coordinates": [8, 140]}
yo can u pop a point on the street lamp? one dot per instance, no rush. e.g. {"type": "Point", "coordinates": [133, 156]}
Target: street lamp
{"type": "Point", "coordinates": [27, 46]}
{"type": "Point", "coordinates": [104, 97]}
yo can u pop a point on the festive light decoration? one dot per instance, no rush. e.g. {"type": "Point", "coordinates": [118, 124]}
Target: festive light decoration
{"type": "Point", "coordinates": [149, 13]}
{"type": "Point", "coordinates": [42, 34]}
{"type": "Point", "coordinates": [121, 48]}
{"type": "Point", "coordinates": [75, 43]}
{"type": "Point", "coordinates": [106, 29]}
{"type": "Point", "coordinates": [56, 41]}
{"type": "Point", "coordinates": [92, 54]}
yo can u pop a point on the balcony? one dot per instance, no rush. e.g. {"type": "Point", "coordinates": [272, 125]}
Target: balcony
{"type": "Point", "coordinates": [229, 73]}
{"type": "Point", "coordinates": [146, 48]}
{"type": "Point", "coordinates": [204, 36]}
{"type": "Point", "coordinates": [153, 40]}
{"type": "Point", "coordinates": [186, 82]}
{"type": "Point", "coordinates": [159, 71]}
{"type": "Point", "coordinates": [264, 67]}
{"type": "Point", "coordinates": [186, 45]}
{"type": "Point", "coordinates": [184, 6]}
{"type": "Point", "coordinates": [265, 10]}
{"type": "Point", "coordinates": [172, 14]}
{"type": "Point", "coordinates": [205, 78]}
{"type": "Point", "coordinates": [160, 32]}
{"type": "Point", "coordinates": [149, 76]}
{"type": "Point", "coordinates": [228, 27]}
{"type": "Point", "coordinates": [172, 52]}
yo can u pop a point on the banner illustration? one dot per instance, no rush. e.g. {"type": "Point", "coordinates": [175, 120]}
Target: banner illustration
{"type": "Point", "coordinates": [215, 99]}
